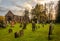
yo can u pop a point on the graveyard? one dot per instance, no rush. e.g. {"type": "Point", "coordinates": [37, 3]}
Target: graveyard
{"type": "Point", "coordinates": [40, 34]}
{"type": "Point", "coordinates": [30, 20]}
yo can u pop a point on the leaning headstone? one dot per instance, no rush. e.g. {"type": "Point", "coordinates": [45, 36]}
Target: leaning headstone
{"type": "Point", "coordinates": [33, 26]}
{"type": "Point", "coordinates": [50, 31]}
{"type": "Point", "coordinates": [21, 32]}
{"type": "Point", "coordinates": [16, 34]}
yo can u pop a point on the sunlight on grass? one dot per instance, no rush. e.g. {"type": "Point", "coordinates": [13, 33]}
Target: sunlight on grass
{"type": "Point", "coordinates": [41, 34]}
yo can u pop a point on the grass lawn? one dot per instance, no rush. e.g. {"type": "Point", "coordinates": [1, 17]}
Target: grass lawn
{"type": "Point", "coordinates": [41, 34]}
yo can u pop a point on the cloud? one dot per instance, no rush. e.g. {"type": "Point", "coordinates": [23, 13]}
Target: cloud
{"type": "Point", "coordinates": [44, 1]}
{"type": "Point", "coordinates": [8, 4]}
{"type": "Point", "coordinates": [20, 4]}
{"type": "Point", "coordinates": [0, 0]}
{"type": "Point", "coordinates": [14, 8]}
{"type": "Point", "coordinates": [17, 4]}
{"type": "Point", "coordinates": [27, 6]}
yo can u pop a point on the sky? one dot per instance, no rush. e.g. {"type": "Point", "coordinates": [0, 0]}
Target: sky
{"type": "Point", "coordinates": [21, 4]}
{"type": "Point", "coordinates": [17, 5]}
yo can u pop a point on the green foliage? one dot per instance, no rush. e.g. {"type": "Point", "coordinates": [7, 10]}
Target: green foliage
{"type": "Point", "coordinates": [40, 12]}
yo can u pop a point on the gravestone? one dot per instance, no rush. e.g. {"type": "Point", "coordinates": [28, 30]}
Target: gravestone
{"type": "Point", "coordinates": [21, 32]}
{"type": "Point", "coordinates": [33, 26]}
{"type": "Point", "coordinates": [43, 23]}
{"type": "Point", "coordinates": [10, 30]}
{"type": "Point", "coordinates": [50, 31]}
{"type": "Point", "coordinates": [21, 25]}
{"type": "Point", "coordinates": [24, 25]}
{"type": "Point", "coordinates": [16, 34]}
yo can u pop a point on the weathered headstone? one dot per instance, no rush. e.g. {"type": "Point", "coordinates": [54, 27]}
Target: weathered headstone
{"type": "Point", "coordinates": [50, 31]}
{"type": "Point", "coordinates": [33, 26]}
{"type": "Point", "coordinates": [16, 34]}
{"type": "Point", "coordinates": [21, 32]}
{"type": "Point", "coordinates": [20, 25]}
{"type": "Point", "coordinates": [10, 30]}
{"type": "Point", "coordinates": [24, 25]}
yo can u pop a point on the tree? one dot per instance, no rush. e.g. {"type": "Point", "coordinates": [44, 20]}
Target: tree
{"type": "Point", "coordinates": [26, 12]}
{"type": "Point", "coordinates": [58, 14]}
{"type": "Point", "coordinates": [39, 12]}
{"type": "Point", "coordinates": [26, 16]}
{"type": "Point", "coordinates": [2, 18]}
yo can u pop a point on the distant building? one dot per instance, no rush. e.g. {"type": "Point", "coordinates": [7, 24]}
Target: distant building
{"type": "Point", "coordinates": [17, 16]}
{"type": "Point", "coordinates": [9, 16]}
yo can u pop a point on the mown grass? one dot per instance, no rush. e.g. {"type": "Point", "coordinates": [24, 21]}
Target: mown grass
{"type": "Point", "coordinates": [41, 34]}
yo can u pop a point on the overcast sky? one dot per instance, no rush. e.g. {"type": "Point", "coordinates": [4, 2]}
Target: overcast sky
{"type": "Point", "coordinates": [17, 5]}
{"type": "Point", "coordinates": [21, 4]}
